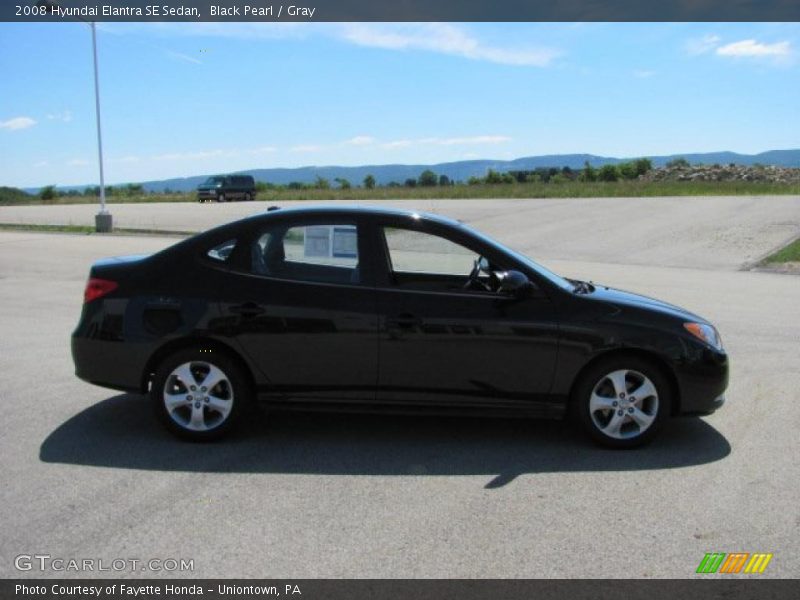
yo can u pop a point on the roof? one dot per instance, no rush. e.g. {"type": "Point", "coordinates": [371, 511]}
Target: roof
{"type": "Point", "coordinates": [361, 209]}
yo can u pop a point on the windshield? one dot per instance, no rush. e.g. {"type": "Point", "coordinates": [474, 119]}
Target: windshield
{"type": "Point", "coordinates": [543, 271]}
{"type": "Point", "coordinates": [214, 180]}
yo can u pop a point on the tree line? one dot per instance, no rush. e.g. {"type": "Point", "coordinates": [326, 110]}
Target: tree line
{"type": "Point", "coordinates": [616, 172]}
{"type": "Point", "coordinates": [49, 192]}
{"type": "Point", "coordinates": [610, 172]}
{"type": "Point", "coordinates": [428, 178]}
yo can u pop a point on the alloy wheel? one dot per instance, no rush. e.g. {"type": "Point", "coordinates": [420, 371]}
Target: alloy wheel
{"type": "Point", "coordinates": [623, 404]}
{"type": "Point", "coordinates": [198, 396]}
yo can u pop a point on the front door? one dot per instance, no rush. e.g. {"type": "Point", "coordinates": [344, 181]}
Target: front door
{"type": "Point", "coordinates": [446, 340]}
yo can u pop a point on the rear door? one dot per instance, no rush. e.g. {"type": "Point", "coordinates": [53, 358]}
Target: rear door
{"type": "Point", "coordinates": [304, 309]}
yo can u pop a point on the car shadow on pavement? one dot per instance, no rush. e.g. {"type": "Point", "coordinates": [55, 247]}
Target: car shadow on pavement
{"type": "Point", "coordinates": [122, 432]}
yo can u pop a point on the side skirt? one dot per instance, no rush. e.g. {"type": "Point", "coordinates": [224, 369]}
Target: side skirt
{"type": "Point", "coordinates": [538, 410]}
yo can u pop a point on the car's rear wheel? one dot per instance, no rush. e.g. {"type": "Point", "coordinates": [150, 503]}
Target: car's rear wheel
{"type": "Point", "coordinates": [199, 396]}
{"type": "Point", "coordinates": [622, 402]}
{"type": "Point", "coordinates": [247, 197]}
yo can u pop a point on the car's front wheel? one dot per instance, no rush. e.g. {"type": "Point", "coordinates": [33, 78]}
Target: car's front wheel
{"type": "Point", "coordinates": [198, 395]}
{"type": "Point", "coordinates": [622, 402]}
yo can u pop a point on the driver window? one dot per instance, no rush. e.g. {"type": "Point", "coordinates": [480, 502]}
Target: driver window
{"type": "Point", "coordinates": [416, 252]}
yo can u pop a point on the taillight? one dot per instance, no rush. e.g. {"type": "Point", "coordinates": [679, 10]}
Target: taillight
{"type": "Point", "coordinates": [97, 288]}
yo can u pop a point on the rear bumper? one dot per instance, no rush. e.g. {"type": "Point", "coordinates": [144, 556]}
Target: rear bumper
{"type": "Point", "coordinates": [111, 364]}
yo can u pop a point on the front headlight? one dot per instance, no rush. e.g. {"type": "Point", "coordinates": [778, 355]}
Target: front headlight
{"type": "Point", "coordinates": [705, 332]}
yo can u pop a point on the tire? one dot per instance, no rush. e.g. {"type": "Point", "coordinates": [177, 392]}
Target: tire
{"type": "Point", "coordinates": [603, 405]}
{"type": "Point", "coordinates": [247, 197]}
{"type": "Point", "coordinates": [221, 198]}
{"type": "Point", "coordinates": [198, 414]}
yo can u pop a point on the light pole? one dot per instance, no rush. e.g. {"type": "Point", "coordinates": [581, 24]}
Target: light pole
{"type": "Point", "coordinates": [102, 221]}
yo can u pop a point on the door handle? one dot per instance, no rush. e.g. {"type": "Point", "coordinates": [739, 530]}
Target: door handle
{"type": "Point", "coordinates": [248, 309]}
{"type": "Point", "coordinates": [404, 321]}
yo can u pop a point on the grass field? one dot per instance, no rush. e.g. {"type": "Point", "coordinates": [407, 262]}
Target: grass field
{"type": "Point", "coordinates": [789, 253]}
{"type": "Point", "coordinates": [87, 229]}
{"type": "Point", "coordinates": [517, 190]}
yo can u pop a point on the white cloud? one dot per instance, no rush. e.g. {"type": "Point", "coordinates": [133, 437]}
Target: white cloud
{"type": "Point", "coordinates": [478, 139]}
{"type": "Point", "coordinates": [240, 30]}
{"type": "Point", "coordinates": [453, 141]}
{"type": "Point", "coordinates": [263, 150]}
{"type": "Point", "coordinates": [125, 159]}
{"type": "Point", "coordinates": [703, 44]}
{"type": "Point", "coordinates": [360, 140]}
{"type": "Point", "coordinates": [752, 48]}
{"type": "Point", "coordinates": [643, 73]}
{"type": "Point", "coordinates": [78, 162]}
{"type": "Point", "coordinates": [749, 48]}
{"type": "Point", "coordinates": [65, 116]}
{"type": "Point", "coordinates": [443, 38]}
{"type": "Point", "coordinates": [184, 57]}
{"type": "Point", "coordinates": [17, 123]}
{"type": "Point", "coordinates": [305, 148]}
{"type": "Point", "coordinates": [199, 155]}
{"type": "Point", "coordinates": [398, 144]}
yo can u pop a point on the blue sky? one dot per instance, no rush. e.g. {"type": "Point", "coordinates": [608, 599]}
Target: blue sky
{"type": "Point", "coordinates": [185, 99]}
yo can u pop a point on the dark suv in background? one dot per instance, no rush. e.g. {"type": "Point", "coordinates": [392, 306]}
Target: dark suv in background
{"type": "Point", "coordinates": [224, 188]}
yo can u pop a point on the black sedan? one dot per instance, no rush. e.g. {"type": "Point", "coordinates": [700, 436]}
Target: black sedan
{"type": "Point", "coordinates": [348, 308]}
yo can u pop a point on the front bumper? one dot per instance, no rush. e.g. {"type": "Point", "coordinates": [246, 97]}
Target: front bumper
{"type": "Point", "coordinates": [702, 381]}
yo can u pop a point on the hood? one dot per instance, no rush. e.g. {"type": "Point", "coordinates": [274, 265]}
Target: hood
{"type": "Point", "coordinates": [629, 299]}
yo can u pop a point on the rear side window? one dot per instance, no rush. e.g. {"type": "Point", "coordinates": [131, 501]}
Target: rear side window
{"type": "Point", "coordinates": [222, 251]}
{"type": "Point", "coordinates": [326, 253]}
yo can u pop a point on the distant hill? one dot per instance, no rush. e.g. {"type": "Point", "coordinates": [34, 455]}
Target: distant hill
{"type": "Point", "coordinates": [463, 170]}
{"type": "Point", "coordinates": [11, 195]}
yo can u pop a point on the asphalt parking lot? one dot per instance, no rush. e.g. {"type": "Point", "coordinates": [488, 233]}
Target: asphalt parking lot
{"type": "Point", "coordinates": [89, 473]}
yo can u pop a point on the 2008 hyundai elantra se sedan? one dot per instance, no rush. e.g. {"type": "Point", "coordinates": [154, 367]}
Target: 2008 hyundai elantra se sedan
{"type": "Point", "coordinates": [369, 309]}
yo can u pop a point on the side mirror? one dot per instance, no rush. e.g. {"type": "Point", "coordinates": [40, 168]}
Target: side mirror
{"type": "Point", "coordinates": [513, 283]}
